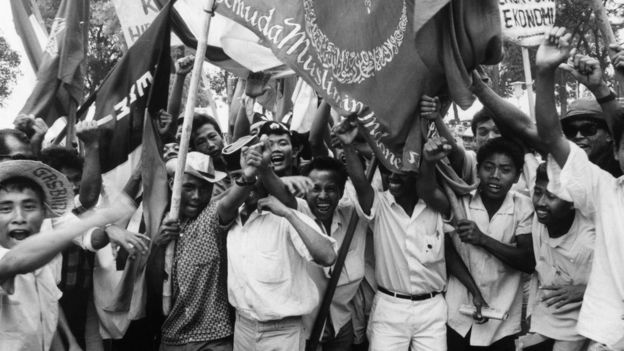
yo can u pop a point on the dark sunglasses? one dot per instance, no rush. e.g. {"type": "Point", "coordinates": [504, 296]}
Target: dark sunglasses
{"type": "Point", "coordinates": [586, 130]}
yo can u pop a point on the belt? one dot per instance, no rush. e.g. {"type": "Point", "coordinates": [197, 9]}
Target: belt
{"type": "Point", "coordinates": [408, 297]}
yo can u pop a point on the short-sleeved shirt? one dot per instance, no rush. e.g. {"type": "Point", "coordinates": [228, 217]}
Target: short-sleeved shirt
{"type": "Point", "coordinates": [565, 260]}
{"type": "Point", "coordinates": [28, 310]}
{"type": "Point", "coordinates": [500, 285]}
{"type": "Point", "coordinates": [200, 310]}
{"type": "Point", "coordinates": [353, 270]}
{"type": "Point", "coordinates": [600, 196]}
{"type": "Point", "coordinates": [409, 250]}
{"type": "Point", "coordinates": [267, 267]}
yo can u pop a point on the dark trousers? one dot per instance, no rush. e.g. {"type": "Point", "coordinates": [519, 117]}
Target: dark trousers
{"type": "Point", "coordinates": [342, 341]}
{"type": "Point", "coordinates": [456, 342]}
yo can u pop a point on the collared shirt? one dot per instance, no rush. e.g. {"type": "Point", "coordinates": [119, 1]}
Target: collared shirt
{"type": "Point", "coordinates": [267, 273]}
{"type": "Point", "coordinates": [565, 260]}
{"type": "Point", "coordinates": [28, 310]}
{"type": "Point", "coordinates": [500, 285]}
{"type": "Point", "coordinates": [353, 270]}
{"type": "Point", "coordinates": [600, 196]}
{"type": "Point", "coordinates": [200, 310]}
{"type": "Point", "coordinates": [409, 250]}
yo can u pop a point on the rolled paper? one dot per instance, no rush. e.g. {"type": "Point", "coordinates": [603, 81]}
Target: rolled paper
{"type": "Point", "coordinates": [486, 312]}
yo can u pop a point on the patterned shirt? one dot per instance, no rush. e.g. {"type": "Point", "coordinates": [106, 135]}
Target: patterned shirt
{"type": "Point", "coordinates": [200, 310]}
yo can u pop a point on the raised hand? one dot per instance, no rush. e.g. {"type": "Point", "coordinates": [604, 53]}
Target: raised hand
{"type": "Point", "coordinates": [436, 149]}
{"type": "Point", "coordinates": [184, 65]}
{"type": "Point", "coordinates": [430, 107]}
{"type": "Point", "coordinates": [87, 132]}
{"type": "Point", "coordinates": [251, 159]}
{"type": "Point", "coordinates": [555, 49]}
{"type": "Point", "coordinates": [585, 69]}
{"type": "Point", "coordinates": [618, 59]}
{"type": "Point", "coordinates": [346, 131]}
{"type": "Point", "coordinates": [164, 121]}
{"type": "Point", "coordinates": [297, 185]}
{"type": "Point", "coordinates": [273, 205]}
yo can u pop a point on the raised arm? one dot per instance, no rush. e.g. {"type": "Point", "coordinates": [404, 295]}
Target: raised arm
{"type": "Point", "coordinates": [511, 121]}
{"type": "Point", "coordinates": [182, 67]}
{"type": "Point", "coordinates": [227, 208]}
{"type": "Point", "coordinates": [91, 181]}
{"type": "Point", "coordinates": [319, 130]}
{"type": "Point", "coordinates": [428, 188]}
{"type": "Point", "coordinates": [271, 182]}
{"type": "Point", "coordinates": [553, 51]}
{"type": "Point", "coordinates": [430, 109]}
{"type": "Point", "coordinates": [346, 132]}
{"type": "Point", "coordinates": [320, 247]}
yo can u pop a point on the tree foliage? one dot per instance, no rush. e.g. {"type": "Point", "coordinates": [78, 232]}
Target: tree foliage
{"type": "Point", "coordinates": [9, 69]}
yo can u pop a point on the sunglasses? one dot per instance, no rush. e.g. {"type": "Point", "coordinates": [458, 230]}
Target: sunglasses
{"type": "Point", "coordinates": [586, 130]}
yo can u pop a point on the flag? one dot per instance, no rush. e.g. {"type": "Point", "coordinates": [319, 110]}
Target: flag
{"type": "Point", "coordinates": [60, 75]}
{"type": "Point", "coordinates": [31, 29]}
{"type": "Point", "coordinates": [364, 58]}
{"type": "Point", "coordinates": [139, 81]}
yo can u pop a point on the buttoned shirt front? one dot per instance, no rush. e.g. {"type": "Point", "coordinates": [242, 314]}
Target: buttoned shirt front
{"type": "Point", "coordinates": [28, 310]}
{"type": "Point", "coordinates": [409, 250]}
{"type": "Point", "coordinates": [500, 285]}
{"type": "Point", "coordinates": [565, 260]}
{"type": "Point", "coordinates": [267, 273]}
{"type": "Point", "coordinates": [353, 270]}
{"type": "Point", "coordinates": [599, 196]}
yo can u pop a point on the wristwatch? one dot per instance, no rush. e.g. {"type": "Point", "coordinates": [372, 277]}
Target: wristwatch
{"type": "Point", "coordinates": [244, 181]}
{"type": "Point", "coordinates": [607, 98]}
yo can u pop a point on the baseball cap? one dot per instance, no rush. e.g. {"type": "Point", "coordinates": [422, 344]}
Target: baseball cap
{"type": "Point", "coordinates": [586, 107]}
{"type": "Point", "coordinates": [198, 165]}
{"type": "Point", "coordinates": [57, 190]}
{"type": "Point", "coordinates": [273, 127]}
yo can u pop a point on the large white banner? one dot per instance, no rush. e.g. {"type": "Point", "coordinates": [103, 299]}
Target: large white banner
{"type": "Point", "coordinates": [526, 21]}
{"type": "Point", "coordinates": [135, 16]}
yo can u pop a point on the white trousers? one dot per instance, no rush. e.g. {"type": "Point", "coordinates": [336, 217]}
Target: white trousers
{"type": "Point", "coordinates": [400, 325]}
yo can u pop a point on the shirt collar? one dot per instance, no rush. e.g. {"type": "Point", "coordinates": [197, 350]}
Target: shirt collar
{"type": "Point", "coordinates": [507, 207]}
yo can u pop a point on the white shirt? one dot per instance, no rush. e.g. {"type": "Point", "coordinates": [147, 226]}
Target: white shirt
{"type": "Point", "coordinates": [598, 195]}
{"type": "Point", "coordinates": [409, 250]}
{"type": "Point", "coordinates": [267, 273]}
{"type": "Point", "coordinates": [500, 285]}
{"type": "Point", "coordinates": [28, 310]}
{"type": "Point", "coordinates": [353, 270]}
{"type": "Point", "coordinates": [565, 260]}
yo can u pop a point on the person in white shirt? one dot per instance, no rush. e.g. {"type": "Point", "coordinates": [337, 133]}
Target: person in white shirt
{"type": "Point", "coordinates": [409, 311]}
{"type": "Point", "coordinates": [269, 246]}
{"type": "Point", "coordinates": [594, 192]}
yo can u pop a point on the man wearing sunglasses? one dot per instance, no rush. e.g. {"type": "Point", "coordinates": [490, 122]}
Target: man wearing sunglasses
{"type": "Point", "coordinates": [585, 125]}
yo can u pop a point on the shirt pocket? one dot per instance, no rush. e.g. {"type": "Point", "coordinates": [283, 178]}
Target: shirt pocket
{"type": "Point", "coordinates": [269, 267]}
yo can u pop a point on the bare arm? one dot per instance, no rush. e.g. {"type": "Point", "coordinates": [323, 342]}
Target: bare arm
{"type": "Point", "coordinates": [319, 129]}
{"type": "Point", "coordinates": [91, 181]}
{"type": "Point", "coordinates": [346, 132]}
{"type": "Point", "coordinates": [182, 66]}
{"type": "Point", "coordinates": [427, 186]}
{"type": "Point", "coordinates": [430, 109]}
{"type": "Point", "coordinates": [553, 51]}
{"type": "Point", "coordinates": [272, 183]}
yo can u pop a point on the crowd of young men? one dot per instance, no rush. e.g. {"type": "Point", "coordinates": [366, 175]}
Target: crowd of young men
{"type": "Point", "coordinates": [531, 238]}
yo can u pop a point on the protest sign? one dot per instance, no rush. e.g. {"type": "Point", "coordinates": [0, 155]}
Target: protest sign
{"type": "Point", "coordinates": [525, 21]}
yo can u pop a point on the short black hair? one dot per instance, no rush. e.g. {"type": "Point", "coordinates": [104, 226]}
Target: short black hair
{"type": "Point", "coordinates": [21, 184]}
{"type": "Point", "coordinates": [541, 174]}
{"type": "Point", "coordinates": [200, 119]}
{"type": "Point", "coordinates": [483, 115]}
{"type": "Point", "coordinates": [503, 146]}
{"type": "Point", "coordinates": [11, 133]}
{"type": "Point", "coordinates": [326, 163]}
{"type": "Point", "coordinates": [59, 157]}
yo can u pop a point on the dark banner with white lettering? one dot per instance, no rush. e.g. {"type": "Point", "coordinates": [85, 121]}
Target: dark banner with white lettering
{"type": "Point", "coordinates": [139, 81]}
{"type": "Point", "coordinates": [364, 58]}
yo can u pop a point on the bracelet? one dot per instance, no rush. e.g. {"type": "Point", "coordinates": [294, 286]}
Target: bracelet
{"type": "Point", "coordinates": [244, 181]}
{"type": "Point", "coordinates": [607, 98]}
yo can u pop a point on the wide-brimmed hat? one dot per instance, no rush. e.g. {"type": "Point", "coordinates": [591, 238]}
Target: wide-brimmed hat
{"type": "Point", "coordinates": [198, 165]}
{"type": "Point", "coordinates": [58, 191]}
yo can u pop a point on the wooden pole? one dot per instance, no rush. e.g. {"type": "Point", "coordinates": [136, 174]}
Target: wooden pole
{"type": "Point", "coordinates": [608, 36]}
{"type": "Point", "coordinates": [70, 135]}
{"type": "Point", "coordinates": [189, 109]}
{"type": "Point", "coordinates": [321, 317]}
{"type": "Point", "coordinates": [528, 79]}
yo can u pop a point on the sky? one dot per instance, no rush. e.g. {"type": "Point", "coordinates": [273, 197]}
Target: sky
{"type": "Point", "coordinates": [26, 80]}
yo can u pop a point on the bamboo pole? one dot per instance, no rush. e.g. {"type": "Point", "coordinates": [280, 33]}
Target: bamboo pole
{"type": "Point", "coordinates": [607, 32]}
{"type": "Point", "coordinates": [189, 109]}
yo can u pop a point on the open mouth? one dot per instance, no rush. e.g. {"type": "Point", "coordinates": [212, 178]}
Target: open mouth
{"type": "Point", "coordinates": [277, 158]}
{"type": "Point", "coordinates": [323, 207]}
{"type": "Point", "coordinates": [19, 234]}
{"type": "Point", "coordinates": [494, 187]}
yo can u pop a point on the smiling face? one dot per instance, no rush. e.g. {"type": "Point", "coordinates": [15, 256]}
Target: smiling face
{"type": "Point", "coordinates": [588, 135]}
{"type": "Point", "coordinates": [549, 208]}
{"type": "Point", "coordinates": [497, 174]}
{"type": "Point", "coordinates": [325, 194]}
{"type": "Point", "coordinates": [282, 153]}
{"type": "Point", "coordinates": [21, 215]}
{"type": "Point", "coordinates": [196, 194]}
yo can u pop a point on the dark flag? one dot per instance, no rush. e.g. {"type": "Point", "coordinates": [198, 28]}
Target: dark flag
{"type": "Point", "coordinates": [60, 77]}
{"type": "Point", "coordinates": [29, 26]}
{"type": "Point", "coordinates": [139, 81]}
{"type": "Point", "coordinates": [364, 57]}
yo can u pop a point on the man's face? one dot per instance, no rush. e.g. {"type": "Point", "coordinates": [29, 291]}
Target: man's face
{"type": "Point", "coordinates": [324, 195]}
{"type": "Point", "coordinates": [497, 174]}
{"type": "Point", "coordinates": [16, 149]}
{"type": "Point", "coordinates": [196, 194]}
{"type": "Point", "coordinates": [170, 151]}
{"type": "Point", "coordinates": [74, 176]}
{"type": "Point", "coordinates": [402, 184]}
{"type": "Point", "coordinates": [21, 215]}
{"type": "Point", "coordinates": [281, 153]}
{"type": "Point", "coordinates": [485, 131]}
{"type": "Point", "coordinates": [588, 135]}
{"type": "Point", "coordinates": [549, 208]}
{"type": "Point", "coordinates": [208, 141]}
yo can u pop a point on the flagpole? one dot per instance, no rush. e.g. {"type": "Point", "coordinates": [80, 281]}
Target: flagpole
{"type": "Point", "coordinates": [71, 124]}
{"type": "Point", "coordinates": [189, 108]}
{"type": "Point", "coordinates": [607, 32]}
{"type": "Point", "coordinates": [528, 80]}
